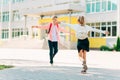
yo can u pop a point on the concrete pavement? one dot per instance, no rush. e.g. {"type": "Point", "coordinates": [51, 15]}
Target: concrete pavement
{"type": "Point", "coordinates": [33, 64]}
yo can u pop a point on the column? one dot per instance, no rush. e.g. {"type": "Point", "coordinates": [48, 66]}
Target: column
{"type": "Point", "coordinates": [10, 18]}
{"type": "Point", "coordinates": [70, 12]}
{"type": "Point", "coordinates": [25, 27]}
{"type": "Point", "coordinates": [118, 18]}
{"type": "Point", "coordinates": [1, 10]}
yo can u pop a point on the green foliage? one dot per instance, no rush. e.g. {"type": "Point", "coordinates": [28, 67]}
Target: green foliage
{"type": "Point", "coordinates": [105, 48]}
{"type": "Point", "coordinates": [5, 66]}
{"type": "Point", "coordinates": [116, 46]}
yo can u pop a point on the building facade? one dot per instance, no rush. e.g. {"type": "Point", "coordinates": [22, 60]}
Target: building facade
{"type": "Point", "coordinates": [17, 17]}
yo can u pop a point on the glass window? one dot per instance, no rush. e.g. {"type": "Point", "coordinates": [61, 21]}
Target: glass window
{"type": "Point", "coordinates": [104, 29]}
{"type": "Point", "coordinates": [16, 1]}
{"type": "Point", "coordinates": [109, 30]}
{"type": "Point", "coordinates": [100, 5]}
{"type": "Point", "coordinates": [88, 8]}
{"type": "Point", "coordinates": [16, 15]}
{"type": "Point", "coordinates": [93, 7]}
{"type": "Point", "coordinates": [114, 30]}
{"type": "Point", "coordinates": [114, 23]}
{"type": "Point", "coordinates": [88, 0]}
{"type": "Point", "coordinates": [97, 6]}
{"type": "Point", "coordinates": [5, 17]}
{"type": "Point", "coordinates": [108, 23]}
{"type": "Point", "coordinates": [105, 26]}
{"type": "Point", "coordinates": [109, 5]}
{"type": "Point", "coordinates": [5, 2]}
{"type": "Point", "coordinates": [103, 6]}
{"type": "Point", "coordinates": [5, 34]}
{"type": "Point", "coordinates": [97, 34]}
{"type": "Point", "coordinates": [114, 4]}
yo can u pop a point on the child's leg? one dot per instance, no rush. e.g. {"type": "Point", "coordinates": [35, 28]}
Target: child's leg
{"type": "Point", "coordinates": [80, 54]}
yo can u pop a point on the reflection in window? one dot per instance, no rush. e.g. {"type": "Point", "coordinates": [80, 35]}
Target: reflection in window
{"type": "Point", "coordinates": [98, 7]}
{"type": "Point", "coordinates": [109, 5]}
{"type": "Point", "coordinates": [93, 7]}
{"type": "Point", "coordinates": [114, 4]}
{"type": "Point", "coordinates": [103, 6]}
{"type": "Point", "coordinates": [88, 8]}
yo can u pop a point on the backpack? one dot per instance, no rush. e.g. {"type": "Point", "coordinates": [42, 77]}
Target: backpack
{"type": "Point", "coordinates": [50, 28]}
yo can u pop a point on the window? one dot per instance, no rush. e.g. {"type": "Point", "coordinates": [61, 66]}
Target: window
{"type": "Point", "coordinates": [100, 5]}
{"type": "Point", "coordinates": [109, 5]}
{"type": "Point", "coordinates": [109, 28]}
{"type": "Point", "coordinates": [92, 33]}
{"type": "Point", "coordinates": [5, 17]}
{"type": "Point", "coordinates": [97, 6]}
{"type": "Point", "coordinates": [114, 5]}
{"type": "Point", "coordinates": [103, 27]}
{"type": "Point", "coordinates": [16, 15]}
{"type": "Point", "coordinates": [114, 29]}
{"type": "Point", "coordinates": [106, 26]}
{"type": "Point", "coordinates": [88, 8]}
{"type": "Point", "coordinates": [97, 27]}
{"type": "Point", "coordinates": [5, 2]}
{"type": "Point", "coordinates": [88, 0]}
{"type": "Point", "coordinates": [103, 5]}
{"type": "Point", "coordinates": [93, 7]}
{"type": "Point", "coordinates": [16, 1]}
{"type": "Point", "coordinates": [5, 34]}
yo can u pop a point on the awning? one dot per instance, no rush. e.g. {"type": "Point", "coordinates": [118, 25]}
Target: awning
{"type": "Point", "coordinates": [55, 9]}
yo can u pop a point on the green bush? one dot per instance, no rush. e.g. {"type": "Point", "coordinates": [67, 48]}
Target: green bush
{"type": "Point", "coordinates": [118, 44]}
{"type": "Point", "coordinates": [105, 48]}
{"type": "Point", "coordinates": [116, 47]}
{"type": "Point", "coordinates": [5, 66]}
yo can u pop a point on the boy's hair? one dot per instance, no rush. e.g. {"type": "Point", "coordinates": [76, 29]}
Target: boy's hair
{"type": "Point", "coordinates": [54, 17]}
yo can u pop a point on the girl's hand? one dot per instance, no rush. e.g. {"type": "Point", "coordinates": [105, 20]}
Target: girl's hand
{"type": "Point", "coordinates": [106, 32]}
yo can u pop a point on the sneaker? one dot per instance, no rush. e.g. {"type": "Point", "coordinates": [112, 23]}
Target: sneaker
{"type": "Point", "coordinates": [51, 62]}
{"type": "Point", "coordinates": [83, 71]}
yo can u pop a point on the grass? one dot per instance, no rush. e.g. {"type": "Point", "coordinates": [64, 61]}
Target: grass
{"type": "Point", "coordinates": [5, 66]}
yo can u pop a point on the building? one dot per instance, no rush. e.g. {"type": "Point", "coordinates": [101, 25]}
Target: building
{"type": "Point", "coordinates": [17, 17]}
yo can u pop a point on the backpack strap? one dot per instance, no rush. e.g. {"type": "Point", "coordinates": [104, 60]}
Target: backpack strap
{"type": "Point", "coordinates": [49, 28]}
{"type": "Point", "coordinates": [57, 25]}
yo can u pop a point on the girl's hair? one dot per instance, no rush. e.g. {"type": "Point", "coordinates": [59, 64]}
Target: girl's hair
{"type": "Point", "coordinates": [81, 20]}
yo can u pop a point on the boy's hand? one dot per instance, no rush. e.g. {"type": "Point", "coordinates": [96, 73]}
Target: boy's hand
{"type": "Point", "coordinates": [34, 26]}
{"type": "Point", "coordinates": [58, 22]}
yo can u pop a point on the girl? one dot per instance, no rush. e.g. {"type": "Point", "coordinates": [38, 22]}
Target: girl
{"type": "Point", "coordinates": [82, 35]}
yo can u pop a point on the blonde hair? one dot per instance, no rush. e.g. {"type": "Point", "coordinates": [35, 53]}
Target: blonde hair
{"type": "Point", "coordinates": [81, 20]}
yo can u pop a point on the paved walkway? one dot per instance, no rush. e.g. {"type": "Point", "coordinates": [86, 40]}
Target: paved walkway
{"type": "Point", "coordinates": [33, 64]}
